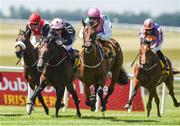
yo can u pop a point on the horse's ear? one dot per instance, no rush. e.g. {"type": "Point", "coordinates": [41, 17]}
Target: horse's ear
{"type": "Point", "coordinates": [20, 31]}
{"type": "Point", "coordinates": [83, 23]}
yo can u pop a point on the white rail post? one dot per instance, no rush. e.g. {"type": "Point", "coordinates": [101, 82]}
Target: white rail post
{"type": "Point", "coordinates": [97, 103]}
{"type": "Point", "coordinates": [30, 93]}
{"type": "Point", "coordinates": [163, 98]}
{"type": "Point", "coordinates": [130, 91]}
{"type": "Point", "coordinates": [65, 99]}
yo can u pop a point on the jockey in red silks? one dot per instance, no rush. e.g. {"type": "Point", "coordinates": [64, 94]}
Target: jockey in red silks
{"type": "Point", "coordinates": [38, 27]}
{"type": "Point", "coordinates": [152, 32]}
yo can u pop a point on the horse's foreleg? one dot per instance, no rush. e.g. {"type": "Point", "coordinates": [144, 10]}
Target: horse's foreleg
{"type": "Point", "coordinates": [46, 109]}
{"type": "Point", "coordinates": [134, 92]}
{"type": "Point", "coordinates": [35, 94]}
{"type": "Point", "coordinates": [59, 95]}
{"type": "Point", "coordinates": [87, 94]}
{"type": "Point", "coordinates": [71, 90]}
{"type": "Point", "coordinates": [149, 104]}
{"type": "Point", "coordinates": [103, 103]}
{"type": "Point", "coordinates": [157, 102]}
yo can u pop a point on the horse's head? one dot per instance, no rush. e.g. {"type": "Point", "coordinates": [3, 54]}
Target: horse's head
{"type": "Point", "coordinates": [89, 36]}
{"type": "Point", "coordinates": [146, 54]}
{"type": "Point", "coordinates": [22, 42]}
{"type": "Point", "coordinates": [46, 53]}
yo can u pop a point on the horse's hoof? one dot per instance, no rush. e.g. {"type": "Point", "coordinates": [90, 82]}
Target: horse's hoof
{"type": "Point", "coordinates": [93, 108]}
{"type": "Point", "coordinates": [148, 113]}
{"type": "Point", "coordinates": [159, 115]}
{"type": "Point", "coordinates": [103, 108]}
{"type": "Point", "coordinates": [29, 108]}
{"type": "Point", "coordinates": [176, 104]}
{"type": "Point", "coordinates": [47, 112]}
{"type": "Point", "coordinates": [127, 106]}
{"type": "Point", "coordinates": [78, 115]}
{"type": "Point", "coordinates": [62, 105]}
{"type": "Point", "coordinates": [56, 115]}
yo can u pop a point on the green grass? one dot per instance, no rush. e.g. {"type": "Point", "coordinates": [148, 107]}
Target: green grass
{"type": "Point", "coordinates": [11, 115]}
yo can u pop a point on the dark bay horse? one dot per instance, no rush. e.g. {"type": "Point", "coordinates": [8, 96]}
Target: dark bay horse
{"type": "Point", "coordinates": [25, 49]}
{"type": "Point", "coordinates": [57, 70]}
{"type": "Point", "coordinates": [148, 73]}
{"type": "Point", "coordinates": [94, 66]}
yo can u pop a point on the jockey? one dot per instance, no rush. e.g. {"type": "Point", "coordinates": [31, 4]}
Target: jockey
{"type": "Point", "coordinates": [104, 28]}
{"type": "Point", "coordinates": [152, 32]}
{"type": "Point", "coordinates": [38, 27]}
{"type": "Point", "coordinates": [65, 35]}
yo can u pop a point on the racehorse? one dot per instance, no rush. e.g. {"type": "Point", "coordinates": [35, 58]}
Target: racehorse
{"type": "Point", "coordinates": [148, 73]}
{"type": "Point", "coordinates": [94, 66]}
{"type": "Point", "coordinates": [57, 70]}
{"type": "Point", "coordinates": [25, 49]}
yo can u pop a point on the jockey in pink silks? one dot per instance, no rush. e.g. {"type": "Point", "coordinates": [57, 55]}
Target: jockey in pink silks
{"type": "Point", "coordinates": [104, 28]}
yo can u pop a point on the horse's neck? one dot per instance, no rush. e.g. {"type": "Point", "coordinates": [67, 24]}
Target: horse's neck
{"type": "Point", "coordinates": [30, 55]}
{"type": "Point", "coordinates": [93, 57]}
{"type": "Point", "coordinates": [58, 55]}
{"type": "Point", "coordinates": [153, 61]}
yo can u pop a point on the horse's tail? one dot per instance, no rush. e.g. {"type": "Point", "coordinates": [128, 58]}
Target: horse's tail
{"type": "Point", "coordinates": [123, 77]}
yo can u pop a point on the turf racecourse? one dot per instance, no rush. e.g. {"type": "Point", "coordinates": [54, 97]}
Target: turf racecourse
{"type": "Point", "coordinates": [14, 115]}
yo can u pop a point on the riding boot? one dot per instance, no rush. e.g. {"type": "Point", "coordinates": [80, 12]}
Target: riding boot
{"type": "Point", "coordinates": [72, 56]}
{"type": "Point", "coordinates": [165, 69]}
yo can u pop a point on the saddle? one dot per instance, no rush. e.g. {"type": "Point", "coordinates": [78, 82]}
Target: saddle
{"type": "Point", "coordinates": [108, 49]}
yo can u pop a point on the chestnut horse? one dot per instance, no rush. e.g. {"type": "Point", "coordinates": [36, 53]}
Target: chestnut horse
{"type": "Point", "coordinates": [148, 73]}
{"type": "Point", "coordinates": [25, 49]}
{"type": "Point", "coordinates": [94, 66]}
{"type": "Point", "coordinates": [57, 70]}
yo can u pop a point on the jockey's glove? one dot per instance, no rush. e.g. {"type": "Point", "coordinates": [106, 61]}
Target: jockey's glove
{"type": "Point", "coordinates": [98, 36]}
{"type": "Point", "coordinates": [58, 42]}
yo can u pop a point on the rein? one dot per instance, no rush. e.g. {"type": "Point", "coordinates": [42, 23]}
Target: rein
{"type": "Point", "coordinates": [58, 62]}
{"type": "Point", "coordinates": [147, 69]}
{"type": "Point", "coordinates": [31, 65]}
{"type": "Point", "coordinates": [98, 64]}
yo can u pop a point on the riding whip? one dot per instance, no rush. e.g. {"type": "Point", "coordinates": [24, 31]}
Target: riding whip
{"type": "Point", "coordinates": [135, 60]}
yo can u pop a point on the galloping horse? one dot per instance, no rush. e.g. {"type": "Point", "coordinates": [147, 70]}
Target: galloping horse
{"type": "Point", "coordinates": [57, 70]}
{"type": "Point", "coordinates": [25, 49]}
{"type": "Point", "coordinates": [94, 66]}
{"type": "Point", "coordinates": [148, 73]}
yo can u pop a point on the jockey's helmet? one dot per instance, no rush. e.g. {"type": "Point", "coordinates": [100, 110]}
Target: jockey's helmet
{"type": "Point", "coordinates": [149, 24]}
{"type": "Point", "coordinates": [94, 12]}
{"type": "Point", "coordinates": [34, 18]}
{"type": "Point", "coordinates": [57, 23]}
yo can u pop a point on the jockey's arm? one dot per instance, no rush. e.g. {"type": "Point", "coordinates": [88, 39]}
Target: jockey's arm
{"type": "Point", "coordinates": [45, 30]}
{"type": "Point", "coordinates": [28, 30]}
{"type": "Point", "coordinates": [107, 31]}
